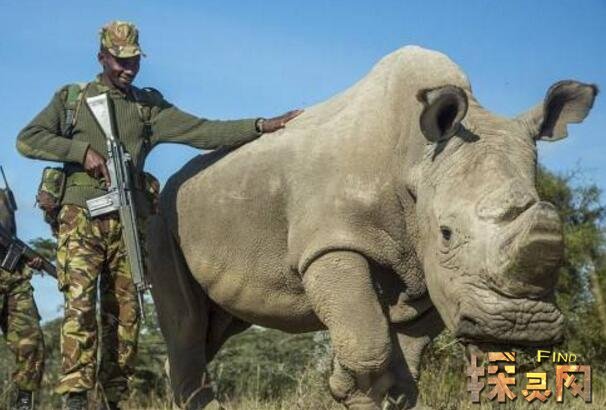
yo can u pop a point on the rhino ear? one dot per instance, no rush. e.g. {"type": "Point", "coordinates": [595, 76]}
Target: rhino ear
{"type": "Point", "coordinates": [566, 102]}
{"type": "Point", "coordinates": [443, 111]}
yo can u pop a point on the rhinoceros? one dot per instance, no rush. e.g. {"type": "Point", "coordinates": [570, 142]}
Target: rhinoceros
{"type": "Point", "coordinates": [393, 209]}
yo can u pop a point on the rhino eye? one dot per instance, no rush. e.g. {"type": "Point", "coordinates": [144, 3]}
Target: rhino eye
{"type": "Point", "coordinates": [446, 233]}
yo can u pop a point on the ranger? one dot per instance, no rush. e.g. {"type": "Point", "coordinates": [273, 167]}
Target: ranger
{"type": "Point", "coordinates": [91, 250]}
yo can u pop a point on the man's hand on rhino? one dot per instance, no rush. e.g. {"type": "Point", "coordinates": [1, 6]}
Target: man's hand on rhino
{"type": "Point", "coordinates": [276, 123]}
{"type": "Point", "coordinates": [94, 165]}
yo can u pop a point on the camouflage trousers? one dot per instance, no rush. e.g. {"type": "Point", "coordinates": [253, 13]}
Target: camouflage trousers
{"type": "Point", "coordinates": [19, 321]}
{"type": "Point", "coordinates": [91, 253]}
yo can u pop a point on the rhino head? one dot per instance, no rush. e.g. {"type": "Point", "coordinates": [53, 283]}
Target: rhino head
{"type": "Point", "coordinates": [490, 248]}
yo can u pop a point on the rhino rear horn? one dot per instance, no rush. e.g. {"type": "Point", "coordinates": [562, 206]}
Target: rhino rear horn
{"type": "Point", "coordinates": [444, 109]}
{"type": "Point", "coordinates": [566, 102]}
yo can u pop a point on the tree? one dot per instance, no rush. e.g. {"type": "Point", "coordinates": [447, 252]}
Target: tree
{"type": "Point", "coordinates": [582, 277]}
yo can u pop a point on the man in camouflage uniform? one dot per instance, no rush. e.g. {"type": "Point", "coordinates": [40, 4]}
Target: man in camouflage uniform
{"type": "Point", "coordinates": [92, 249]}
{"type": "Point", "coordinates": [19, 321]}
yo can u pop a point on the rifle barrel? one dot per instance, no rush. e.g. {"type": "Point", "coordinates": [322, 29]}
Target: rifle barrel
{"type": "Point", "coordinates": [4, 177]}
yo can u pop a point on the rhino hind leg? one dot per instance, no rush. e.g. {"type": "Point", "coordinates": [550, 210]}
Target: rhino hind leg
{"type": "Point", "coordinates": [341, 292]}
{"type": "Point", "coordinates": [222, 326]}
{"type": "Point", "coordinates": [183, 312]}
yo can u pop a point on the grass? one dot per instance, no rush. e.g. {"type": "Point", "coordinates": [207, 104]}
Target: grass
{"type": "Point", "coordinates": [264, 378]}
{"type": "Point", "coordinates": [440, 388]}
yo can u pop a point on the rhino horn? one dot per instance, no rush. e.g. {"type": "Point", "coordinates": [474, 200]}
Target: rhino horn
{"type": "Point", "coordinates": [537, 251]}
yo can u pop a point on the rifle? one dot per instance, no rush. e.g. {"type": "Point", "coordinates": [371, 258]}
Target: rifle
{"type": "Point", "coordinates": [17, 249]}
{"type": "Point", "coordinates": [120, 193]}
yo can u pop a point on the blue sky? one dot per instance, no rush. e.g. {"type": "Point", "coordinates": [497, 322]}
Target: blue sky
{"type": "Point", "coordinates": [228, 59]}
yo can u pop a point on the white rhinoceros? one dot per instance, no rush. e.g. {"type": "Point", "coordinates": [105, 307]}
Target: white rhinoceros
{"type": "Point", "coordinates": [392, 209]}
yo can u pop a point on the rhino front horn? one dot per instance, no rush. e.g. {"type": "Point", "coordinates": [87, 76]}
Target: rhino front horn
{"type": "Point", "coordinates": [444, 109]}
{"type": "Point", "coordinates": [536, 251]}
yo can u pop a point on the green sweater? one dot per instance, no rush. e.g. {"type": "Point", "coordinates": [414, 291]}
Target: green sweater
{"type": "Point", "coordinates": [42, 139]}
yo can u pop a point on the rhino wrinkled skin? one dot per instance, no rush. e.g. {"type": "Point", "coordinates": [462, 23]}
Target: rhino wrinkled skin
{"type": "Point", "coordinates": [393, 209]}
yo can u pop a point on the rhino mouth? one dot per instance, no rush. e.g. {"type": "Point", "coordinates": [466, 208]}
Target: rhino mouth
{"type": "Point", "coordinates": [495, 319]}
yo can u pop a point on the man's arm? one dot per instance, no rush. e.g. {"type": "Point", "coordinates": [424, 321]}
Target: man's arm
{"type": "Point", "coordinates": [173, 125]}
{"type": "Point", "coordinates": [170, 124]}
{"type": "Point", "coordinates": [42, 139]}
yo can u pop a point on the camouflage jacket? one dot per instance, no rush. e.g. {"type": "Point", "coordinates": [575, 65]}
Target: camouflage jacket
{"type": "Point", "coordinates": [42, 138]}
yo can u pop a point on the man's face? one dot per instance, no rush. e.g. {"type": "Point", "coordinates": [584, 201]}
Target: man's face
{"type": "Point", "coordinates": [120, 72]}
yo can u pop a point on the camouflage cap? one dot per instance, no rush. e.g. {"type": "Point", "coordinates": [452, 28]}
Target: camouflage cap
{"type": "Point", "coordinates": [121, 39]}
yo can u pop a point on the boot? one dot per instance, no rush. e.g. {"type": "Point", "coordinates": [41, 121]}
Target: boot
{"type": "Point", "coordinates": [76, 401]}
{"type": "Point", "coordinates": [24, 400]}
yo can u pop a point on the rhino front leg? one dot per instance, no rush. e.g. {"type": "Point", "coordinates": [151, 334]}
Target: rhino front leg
{"type": "Point", "coordinates": [340, 289]}
{"type": "Point", "coordinates": [410, 341]}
